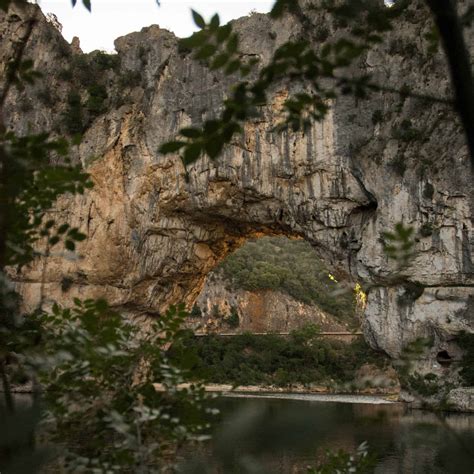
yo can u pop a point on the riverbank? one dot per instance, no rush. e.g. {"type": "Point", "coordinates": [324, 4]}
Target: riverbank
{"type": "Point", "coordinates": [316, 393]}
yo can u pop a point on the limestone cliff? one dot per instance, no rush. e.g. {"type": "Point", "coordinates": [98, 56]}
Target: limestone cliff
{"type": "Point", "coordinates": [257, 311]}
{"type": "Point", "coordinates": [153, 235]}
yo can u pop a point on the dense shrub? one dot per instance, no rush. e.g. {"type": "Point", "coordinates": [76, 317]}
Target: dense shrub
{"type": "Point", "coordinates": [425, 386]}
{"type": "Point", "coordinates": [196, 312]}
{"type": "Point", "coordinates": [130, 79]}
{"type": "Point", "coordinates": [65, 75]}
{"type": "Point", "coordinates": [104, 61]}
{"type": "Point", "coordinates": [89, 69]}
{"type": "Point", "coordinates": [466, 342]}
{"type": "Point", "coordinates": [73, 117]}
{"type": "Point", "coordinates": [249, 359]}
{"type": "Point", "coordinates": [406, 132]}
{"type": "Point", "coordinates": [233, 320]}
{"type": "Point", "coordinates": [290, 266]}
{"type": "Point", "coordinates": [96, 100]}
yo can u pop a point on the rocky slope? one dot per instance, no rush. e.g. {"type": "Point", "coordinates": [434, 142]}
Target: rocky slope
{"type": "Point", "coordinates": [256, 311]}
{"type": "Point", "coordinates": [153, 236]}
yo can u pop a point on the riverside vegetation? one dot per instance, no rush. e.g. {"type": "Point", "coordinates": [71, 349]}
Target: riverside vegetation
{"type": "Point", "coordinates": [303, 358]}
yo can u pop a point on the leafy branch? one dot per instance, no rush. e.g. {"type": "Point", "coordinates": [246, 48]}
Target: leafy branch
{"type": "Point", "coordinates": [317, 70]}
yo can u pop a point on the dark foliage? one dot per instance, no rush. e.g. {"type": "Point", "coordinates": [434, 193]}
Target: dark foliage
{"type": "Point", "coordinates": [74, 115]}
{"type": "Point", "coordinates": [466, 342]}
{"type": "Point", "coordinates": [248, 359]}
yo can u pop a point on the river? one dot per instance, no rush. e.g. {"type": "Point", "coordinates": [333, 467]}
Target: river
{"type": "Point", "coordinates": [271, 434]}
{"type": "Point", "coordinates": [286, 433]}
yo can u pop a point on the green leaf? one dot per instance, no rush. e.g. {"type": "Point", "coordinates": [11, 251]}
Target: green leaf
{"type": "Point", "coordinates": [63, 228]}
{"type": "Point", "coordinates": [192, 42]}
{"type": "Point", "coordinates": [87, 4]}
{"type": "Point", "coordinates": [192, 153]}
{"type": "Point", "coordinates": [215, 22]}
{"type": "Point", "coordinates": [171, 147]}
{"type": "Point", "coordinates": [232, 67]}
{"type": "Point", "coordinates": [54, 240]}
{"type": "Point", "coordinates": [4, 4]}
{"type": "Point", "coordinates": [190, 132]}
{"type": "Point", "coordinates": [206, 51]}
{"type": "Point", "coordinates": [224, 32]}
{"type": "Point", "coordinates": [198, 19]}
{"type": "Point", "coordinates": [214, 147]}
{"type": "Point", "coordinates": [278, 8]}
{"type": "Point", "coordinates": [211, 126]}
{"type": "Point", "coordinates": [79, 236]}
{"type": "Point", "coordinates": [233, 44]}
{"type": "Point", "coordinates": [70, 245]}
{"type": "Point", "coordinates": [219, 61]}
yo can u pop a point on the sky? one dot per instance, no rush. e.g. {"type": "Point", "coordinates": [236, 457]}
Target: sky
{"type": "Point", "coordinates": [113, 18]}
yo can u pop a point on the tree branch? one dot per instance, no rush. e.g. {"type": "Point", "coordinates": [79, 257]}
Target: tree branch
{"type": "Point", "coordinates": [451, 32]}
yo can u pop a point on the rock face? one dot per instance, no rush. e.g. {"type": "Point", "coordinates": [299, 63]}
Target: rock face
{"type": "Point", "coordinates": [154, 235]}
{"type": "Point", "coordinates": [257, 311]}
{"type": "Point", "coordinates": [462, 399]}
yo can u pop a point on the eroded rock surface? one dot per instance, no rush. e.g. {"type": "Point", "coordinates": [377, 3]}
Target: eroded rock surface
{"type": "Point", "coordinates": [257, 311]}
{"type": "Point", "coordinates": [153, 235]}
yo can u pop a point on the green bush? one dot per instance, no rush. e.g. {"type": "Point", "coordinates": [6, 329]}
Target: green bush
{"type": "Point", "coordinates": [423, 385]}
{"type": "Point", "coordinates": [73, 117]}
{"type": "Point", "coordinates": [233, 319]}
{"type": "Point", "coordinates": [65, 75]}
{"type": "Point", "coordinates": [45, 97]}
{"type": "Point", "coordinates": [196, 312]}
{"type": "Point", "coordinates": [130, 79]}
{"type": "Point", "coordinates": [322, 33]}
{"type": "Point", "coordinates": [426, 229]}
{"type": "Point", "coordinates": [399, 165]}
{"type": "Point", "coordinates": [249, 359]}
{"type": "Point", "coordinates": [466, 342]}
{"type": "Point", "coordinates": [96, 101]}
{"type": "Point", "coordinates": [406, 132]}
{"type": "Point", "coordinates": [104, 61]}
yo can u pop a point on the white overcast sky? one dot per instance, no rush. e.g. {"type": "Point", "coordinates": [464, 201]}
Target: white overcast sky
{"type": "Point", "coordinates": [113, 18]}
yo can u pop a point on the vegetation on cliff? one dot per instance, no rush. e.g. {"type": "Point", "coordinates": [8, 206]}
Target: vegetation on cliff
{"type": "Point", "coordinates": [291, 266]}
{"type": "Point", "coordinates": [466, 342]}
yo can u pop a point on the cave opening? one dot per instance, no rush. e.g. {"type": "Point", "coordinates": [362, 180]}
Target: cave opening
{"type": "Point", "coordinates": [276, 284]}
{"type": "Point", "coordinates": [444, 358]}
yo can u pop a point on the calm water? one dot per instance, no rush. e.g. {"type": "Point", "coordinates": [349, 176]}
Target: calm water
{"type": "Point", "coordinates": [272, 435]}
{"type": "Point", "coordinates": [284, 436]}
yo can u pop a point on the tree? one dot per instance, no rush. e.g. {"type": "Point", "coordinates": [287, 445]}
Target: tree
{"type": "Point", "coordinates": [91, 360]}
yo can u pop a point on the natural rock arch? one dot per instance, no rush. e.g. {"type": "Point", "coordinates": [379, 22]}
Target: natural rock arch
{"type": "Point", "coordinates": [155, 232]}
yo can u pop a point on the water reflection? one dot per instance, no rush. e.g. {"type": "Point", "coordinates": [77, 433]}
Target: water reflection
{"type": "Point", "coordinates": [285, 436]}
{"type": "Point", "coordinates": [271, 435]}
